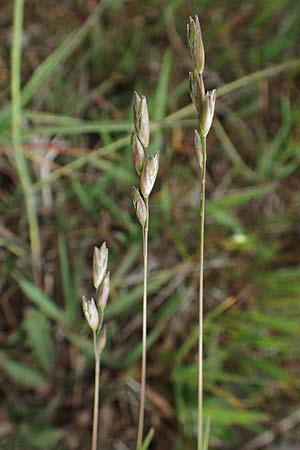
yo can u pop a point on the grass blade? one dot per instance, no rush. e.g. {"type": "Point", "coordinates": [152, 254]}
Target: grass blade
{"type": "Point", "coordinates": [162, 95]}
{"type": "Point", "coordinates": [66, 280]}
{"type": "Point", "coordinates": [41, 300]}
{"type": "Point", "coordinates": [206, 433]}
{"type": "Point", "coordinates": [148, 439]}
{"type": "Point", "coordinates": [22, 168]}
{"type": "Point", "coordinates": [22, 374]}
{"type": "Point", "coordinates": [39, 337]}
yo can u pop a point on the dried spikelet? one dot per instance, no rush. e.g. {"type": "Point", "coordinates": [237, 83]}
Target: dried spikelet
{"type": "Point", "coordinates": [91, 313]}
{"type": "Point", "coordinates": [207, 114]}
{"type": "Point", "coordinates": [195, 42]}
{"type": "Point", "coordinates": [149, 174]}
{"type": "Point", "coordinates": [104, 293]}
{"type": "Point", "coordinates": [100, 259]}
{"type": "Point", "coordinates": [138, 153]}
{"type": "Point", "coordinates": [139, 206]}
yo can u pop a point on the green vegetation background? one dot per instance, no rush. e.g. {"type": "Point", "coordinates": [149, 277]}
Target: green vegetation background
{"type": "Point", "coordinates": [80, 66]}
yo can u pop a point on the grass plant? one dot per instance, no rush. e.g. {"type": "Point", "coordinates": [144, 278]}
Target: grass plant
{"type": "Point", "coordinates": [204, 103]}
{"type": "Point", "coordinates": [80, 64]}
{"type": "Point", "coordinates": [146, 167]}
{"type": "Point", "coordinates": [94, 314]}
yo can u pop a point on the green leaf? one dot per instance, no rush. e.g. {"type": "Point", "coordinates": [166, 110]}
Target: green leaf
{"type": "Point", "coordinates": [162, 96]}
{"type": "Point", "coordinates": [22, 374]}
{"type": "Point", "coordinates": [148, 439]}
{"type": "Point", "coordinates": [126, 300]}
{"type": "Point", "coordinates": [229, 417]}
{"type": "Point", "coordinates": [41, 437]}
{"type": "Point", "coordinates": [41, 300]}
{"type": "Point", "coordinates": [37, 328]}
{"type": "Point", "coordinates": [46, 69]}
{"type": "Point", "coordinates": [241, 197]}
{"type": "Point", "coordinates": [71, 303]}
{"type": "Point", "coordinates": [206, 433]}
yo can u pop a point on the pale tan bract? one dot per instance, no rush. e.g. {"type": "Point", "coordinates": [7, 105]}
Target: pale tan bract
{"type": "Point", "coordinates": [149, 174]}
{"type": "Point", "coordinates": [104, 293]}
{"type": "Point", "coordinates": [195, 42]}
{"type": "Point", "coordinates": [141, 119]}
{"type": "Point", "coordinates": [138, 153]}
{"type": "Point", "coordinates": [90, 312]}
{"type": "Point", "coordinates": [139, 206]}
{"type": "Point", "coordinates": [100, 259]}
{"type": "Point", "coordinates": [207, 113]}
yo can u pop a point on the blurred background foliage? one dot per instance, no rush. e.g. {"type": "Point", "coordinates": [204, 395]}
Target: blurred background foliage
{"type": "Point", "coordinates": [81, 63]}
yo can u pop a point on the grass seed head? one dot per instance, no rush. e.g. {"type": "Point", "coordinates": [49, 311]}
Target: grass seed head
{"type": "Point", "coordinates": [195, 43]}
{"type": "Point", "coordinates": [139, 206]}
{"type": "Point", "coordinates": [136, 111]}
{"type": "Point", "coordinates": [141, 119]}
{"type": "Point", "coordinates": [207, 113]}
{"type": "Point", "coordinates": [91, 313]}
{"type": "Point", "coordinates": [104, 293]}
{"type": "Point", "coordinates": [138, 153]}
{"type": "Point", "coordinates": [100, 259]}
{"type": "Point", "coordinates": [197, 89]}
{"type": "Point", "coordinates": [149, 174]}
{"type": "Point", "coordinates": [144, 131]}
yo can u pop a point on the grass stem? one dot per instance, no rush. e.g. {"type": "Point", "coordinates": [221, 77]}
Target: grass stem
{"type": "Point", "coordinates": [144, 339]}
{"type": "Point", "coordinates": [200, 349]}
{"type": "Point", "coordinates": [22, 168]}
{"type": "Point", "coordinates": [96, 394]}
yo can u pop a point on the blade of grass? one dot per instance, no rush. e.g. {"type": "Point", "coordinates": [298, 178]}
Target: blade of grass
{"type": "Point", "coordinates": [66, 279]}
{"type": "Point", "coordinates": [154, 334]}
{"type": "Point", "coordinates": [162, 95]}
{"type": "Point", "coordinates": [46, 69]}
{"type": "Point", "coordinates": [41, 437]}
{"type": "Point", "coordinates": [148, 439]}
{"type": "Point", "coordinates": [240, 83]}
{"type": "Point", "coordinates": [242, 196]}
{"type": "Point", "coordinates": [21, 373]}
{"type": "Point", "coordinates": [14, 248]}
{"type": "Point", "coordinates": [206, 433]}
{"type": "Point", "coordinates": [126, 300]}
{"type": "Point", "coordinates": [39, 336]}
{"type": "Point", "coordinates": [16, 139]}
{"type": "Point", "coordinates": [170, 119]}
{"type": "Point", "coordinates": [78, 127]}
{"type": "Point", "coordinates": [79, 162]}
{"type": "Point", "coordinates": [232, 152]}
{"type": "Point", "coordinates": [267, 163]}
{"type": "Point", "coordinates": [41, 300]}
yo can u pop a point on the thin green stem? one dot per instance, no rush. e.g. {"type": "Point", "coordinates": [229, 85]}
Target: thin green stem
{"type": "Point", "coordinates": [16, 138]}
{"type": "Point", "coordinates": [200, 350]}
{"type": "Point", "coordinates": [96, 394]}
{"type": "Point", "coordinates": [144, 341]}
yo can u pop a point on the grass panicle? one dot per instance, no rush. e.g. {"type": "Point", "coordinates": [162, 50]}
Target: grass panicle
{"type": "Point", "coordinates": [204, 103]}
{"type": "Point", "coordinates": [146, 167]}
{"type": "Point", "coordinates": [94, 314]}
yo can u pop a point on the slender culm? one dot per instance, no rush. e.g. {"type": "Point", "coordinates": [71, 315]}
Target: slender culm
{"type": "Point", "coordinates": [147, 168]}
{"type": "Point", "coordinates": [94, 314]}
{"type": "Point", "coordinates": [96, 394]}
{"type": "Point", "coordinates": [204, 104]}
